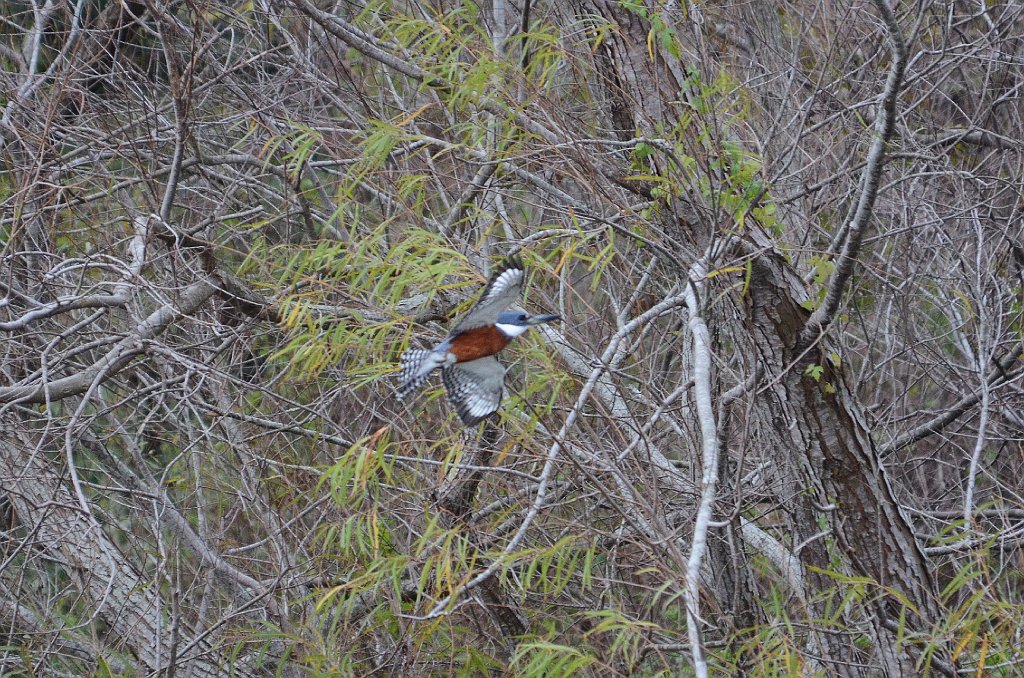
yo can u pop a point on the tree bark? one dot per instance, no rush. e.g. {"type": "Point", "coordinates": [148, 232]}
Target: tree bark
{"type": "Point", "coordinates": [837, 485]}
{"type": "Point", "coordinates": [845, 518]}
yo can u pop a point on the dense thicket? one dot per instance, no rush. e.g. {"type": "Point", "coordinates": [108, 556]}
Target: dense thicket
{"type": "Point", "coordinates": [779, 431]}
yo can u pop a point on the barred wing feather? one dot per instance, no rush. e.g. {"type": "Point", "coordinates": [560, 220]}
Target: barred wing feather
{"type": "Point", "coordinates": [416, 365]}
{"type": "Point", "coordinates": [474, 388]}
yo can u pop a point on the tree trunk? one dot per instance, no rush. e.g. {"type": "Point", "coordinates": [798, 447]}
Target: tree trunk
{"type": "Point", "coordinates": [844, 512]}
{"type": "Point", "coordinates": [844, 516]}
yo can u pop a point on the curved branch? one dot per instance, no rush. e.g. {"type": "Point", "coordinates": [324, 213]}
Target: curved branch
{"type": "Point", "coordinates": [885, 126]}
{"type": "Point", "coordinates": [61, 306]}
{"type": "Point", "coordinates": [191, 299]}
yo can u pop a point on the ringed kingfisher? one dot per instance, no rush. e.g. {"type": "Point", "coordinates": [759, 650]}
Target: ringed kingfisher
{"type": "Point", "coordinates": [473, 378]}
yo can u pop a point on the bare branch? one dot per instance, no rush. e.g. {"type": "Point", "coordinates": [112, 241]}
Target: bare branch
{"type": "Point", "coordinates": [190, 300]}
{"type": "Point", "coordinates": [853, 232]}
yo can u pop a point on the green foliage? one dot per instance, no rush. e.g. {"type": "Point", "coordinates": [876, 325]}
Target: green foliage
{"type": "Point", "coordinates": [295, 148]}
{"type": "Point", "coordinates": [348, 263]}
{"type": "Point", "coordinates": [625, 636]}
{"type": "Point", "coordinates": [470, 662]}
{"type": "Point", "coordinates": [543, 658]}
{"type": "Point", "coordinates": [773, 649]}
{"type": "Point", "coordinates": [535, 391]}
{"type": "Point", "coordinates": [353, 478]}
{"type": "Point", "coordinates": [823, 268]}
{"type": "Point", "coordinates": [546, 56]}
{"type": "Point", "coordinates": [814, 371]}
{"type": "Point", "coordinates": [549, 570]}
{"type": "Point", "coordinates": [722, 171]}
{"type": "Point", "coordinates": [374, 272]}
{"type": "Point", "coordinates": [983, 622]}
{"type": "Point", "coordinates": [1016, 310]}
{"type": "Point", "coordinates": [662, 34]}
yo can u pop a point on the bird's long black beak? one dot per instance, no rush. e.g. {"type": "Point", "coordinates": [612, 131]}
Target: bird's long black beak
{"type": "Point", "coordinates": [544, 318]}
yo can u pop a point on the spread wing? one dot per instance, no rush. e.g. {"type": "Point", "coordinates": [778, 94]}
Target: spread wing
{"type": "Point", "coordinates": [474, 388]}
{"type": "Point", "coordinates": [504, 289]}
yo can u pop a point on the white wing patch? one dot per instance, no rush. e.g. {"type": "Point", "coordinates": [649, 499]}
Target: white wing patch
{"type": "Point", "coordinates": [507, 279]}
{"type": "Point", "coordinates": [504, 289]}
{"type": "Point", "coordinates": [474, 388]}
{"type": "Point", "coordinates": [416, 366]}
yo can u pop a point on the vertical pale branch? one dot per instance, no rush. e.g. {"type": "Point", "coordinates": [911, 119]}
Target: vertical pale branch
{"type": "Point", "coordinates": [982, 356]}
{"type": "Point", "coordinates": [701, 355]}
{"type": "Point", "coordinates": [979, 447]}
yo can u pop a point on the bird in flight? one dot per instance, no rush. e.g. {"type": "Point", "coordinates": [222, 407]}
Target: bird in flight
{"type": "Point", "coordinates": [473, 378]}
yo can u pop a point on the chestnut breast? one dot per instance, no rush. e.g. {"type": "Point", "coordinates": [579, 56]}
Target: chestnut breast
{"type": "Point", "coordinates": [478, 342]}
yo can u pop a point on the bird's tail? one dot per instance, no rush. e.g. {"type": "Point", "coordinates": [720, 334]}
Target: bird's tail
{"type": "Point", "coordinates": [416, 365]}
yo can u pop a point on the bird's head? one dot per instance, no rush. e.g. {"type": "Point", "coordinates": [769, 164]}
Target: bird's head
{"type": "Point", "coordinates": [514, 323]}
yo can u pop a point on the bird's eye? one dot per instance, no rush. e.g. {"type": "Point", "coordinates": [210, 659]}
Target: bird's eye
{"type": "Point", "coordinates": [523, 317]}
